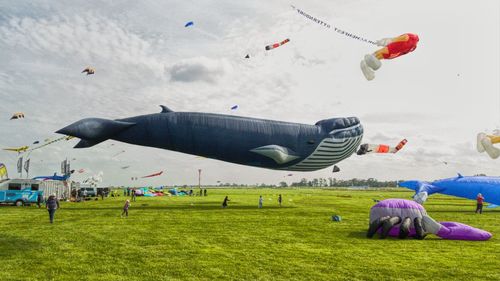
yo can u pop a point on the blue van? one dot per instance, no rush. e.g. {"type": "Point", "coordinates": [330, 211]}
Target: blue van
{"type": "Point", "coordinates": [19, 192]}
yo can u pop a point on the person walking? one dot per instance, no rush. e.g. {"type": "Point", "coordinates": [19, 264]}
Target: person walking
{"type": "Point", "coordinates": [261, 201]}
{"type": "Point", "coordinates": [280, 199]}
{"type": "Point", "coordinates": [125, 208]}
{"type": "Point", "coordinates": [39, 199]}
{"type": "Point", "coordinates": [52, 205]}
{"type": "Point", "coordinates": [133, 195]}
{"type": "Point", "coordinates": [479, 206]}
{"type": "Point", "coordinates": [224, 203]}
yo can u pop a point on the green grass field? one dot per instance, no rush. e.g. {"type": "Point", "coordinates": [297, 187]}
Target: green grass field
{"type": "Point", "coordinates": [193, 238]}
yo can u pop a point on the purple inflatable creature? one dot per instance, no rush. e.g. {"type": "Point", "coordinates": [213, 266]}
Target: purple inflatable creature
{"type": "Point", "coordinates": [405, 218]}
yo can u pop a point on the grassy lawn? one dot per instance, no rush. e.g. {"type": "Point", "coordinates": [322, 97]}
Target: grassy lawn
{"type": "Point", "coordinates": [191, 238]}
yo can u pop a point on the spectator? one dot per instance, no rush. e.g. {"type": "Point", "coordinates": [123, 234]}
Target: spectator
{"type": "Point", "coordinates": [52, 205]}
{"type": "Point", "coordinates": [125, 208]}
{"type": "Point", "coordinates": [479, 206]}
{"type": "Point", "coordinates": [224, 203]}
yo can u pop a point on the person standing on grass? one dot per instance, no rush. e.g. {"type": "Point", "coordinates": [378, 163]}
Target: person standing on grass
{"type": "Point", "coordinates": [39, 199]}
{"type": "Point", "coordinates": [479, 200]}
{"type": "Point", "coordinates": [224, 203]}
{"type": "Point", "coordinates": [205, 192]}
{"type": "Point", "coordinates": [261, 201]}
{"type": "Point", "coordinates": [279, 199]}
{"type": "Point", "coordinates": [52, 205]}
{"type": "Point", "coordinates": [125, 208]}
{"type": "Point", "coordinates": [133, 195]}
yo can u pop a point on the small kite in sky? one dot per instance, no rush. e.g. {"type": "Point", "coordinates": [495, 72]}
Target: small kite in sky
{"type": "Point", "coordinates": [17, 115]}
{"type": "Point", "coordinates": [153, 175]}
{"type": "Point", "coordinates": [89, 70]}
{"type": "Point", "coordinates": [276, 45]}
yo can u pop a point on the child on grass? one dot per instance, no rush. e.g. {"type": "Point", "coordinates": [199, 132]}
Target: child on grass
{"type": "Point", "coordinates": [125, 208]}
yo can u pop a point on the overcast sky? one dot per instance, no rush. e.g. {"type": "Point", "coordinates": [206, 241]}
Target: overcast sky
{"type": "Point", "coordinates": [438, 97]}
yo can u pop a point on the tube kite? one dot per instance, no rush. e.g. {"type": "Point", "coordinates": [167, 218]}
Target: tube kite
{"type": "Point", "coordinates": [153, 175]}
{"type": "Point", "coordinates": [405, 218]}
{"type": "Point", "coordinates": [380, 148]}
{"type": "Point", "coordinates": [17, 149]}
{"type": "Point", "coordinates": [241, 140]}
{"type": "Point", "coordinates": [276, 45]}
{"type": "Point", "coordinates": [392, 48]}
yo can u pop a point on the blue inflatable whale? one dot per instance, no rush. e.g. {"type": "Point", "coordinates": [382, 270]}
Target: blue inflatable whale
{"type": "Point", "coordinates": [247, 141]}
{"type": "Point", "coordinates": [460, 186]}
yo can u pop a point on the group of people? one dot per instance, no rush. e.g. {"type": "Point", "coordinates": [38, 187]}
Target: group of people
{"type": "Point", "coordinates": [52, 204]}
{"type": "Point", "coordinates": [261, 201]}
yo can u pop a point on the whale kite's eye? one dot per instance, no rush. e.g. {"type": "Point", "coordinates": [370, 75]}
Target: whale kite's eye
{"type": "Point", "coordinates": [310, 142]}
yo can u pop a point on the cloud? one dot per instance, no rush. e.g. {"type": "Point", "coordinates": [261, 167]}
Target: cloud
{"type": "Point", "coordinates": [198, 69]}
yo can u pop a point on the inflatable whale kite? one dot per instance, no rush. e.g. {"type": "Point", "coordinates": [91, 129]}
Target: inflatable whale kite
{"type": "Point", "coordinates": [241, 140]}
{"type": "Point", "coordinates": [460, 186]}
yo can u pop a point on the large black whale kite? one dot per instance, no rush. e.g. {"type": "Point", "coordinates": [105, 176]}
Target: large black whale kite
{"type": "Point", "coordinates": [247, 141]}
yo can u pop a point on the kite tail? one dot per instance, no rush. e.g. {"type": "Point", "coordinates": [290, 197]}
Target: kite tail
{"type": "Point", "coordinates": [327, 25]}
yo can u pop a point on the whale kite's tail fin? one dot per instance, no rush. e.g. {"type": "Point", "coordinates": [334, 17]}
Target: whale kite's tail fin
{"type": "Point", "coordinates": [92, 131]}
{"type": "Point", "coordinates": [422, 189]}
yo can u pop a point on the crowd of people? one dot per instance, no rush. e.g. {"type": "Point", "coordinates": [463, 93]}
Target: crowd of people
{"type": "Point", "coordinates": [52, 203]}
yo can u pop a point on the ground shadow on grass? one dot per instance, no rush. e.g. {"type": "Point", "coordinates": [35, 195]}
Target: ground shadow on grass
{"type": "Point", "coordinates": [447, 204]}
{"type": "Point", "coordinates": [362, 235]}
{"type": "Point", "coordinates": [463, 211]}
{"type": "Point", "coordinates": [195, 207]}
{"type": "Point", "coordinates": [11, 245]}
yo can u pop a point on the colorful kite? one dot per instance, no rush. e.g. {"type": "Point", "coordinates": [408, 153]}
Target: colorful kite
{"type": "Point", "coordinates": [380, 148]}
{"type": "Point", "coordinates": [276, 45]}
{"type": "Point", "coordinates": [3, 173]}
{"type": "Point", "coordinates": [152, 175]}
{"type": "Point", "coordinates": [485, 143]}
{"type": "Point", "coordinates": [392, 48]}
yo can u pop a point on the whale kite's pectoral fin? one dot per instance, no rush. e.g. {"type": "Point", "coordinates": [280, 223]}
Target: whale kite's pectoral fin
{"type": "Point", "coordinates": [278, 153]}
{"type": "Point", "coordinates": [491, 206]}
{"type": "Point", "coordinates": [165, 109]}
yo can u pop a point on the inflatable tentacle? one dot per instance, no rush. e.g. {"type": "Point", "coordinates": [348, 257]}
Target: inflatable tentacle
{"type": "Point", "coordinates": [404, 228]}
{"type": "Point", "coordinates": [387, 225]}
{"type": "Point", "coordinates": [460, 231]}
{"type": "Point", "coordinates": [419, 229]}
{"type": "Point", "coordinates": [375, 225]}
